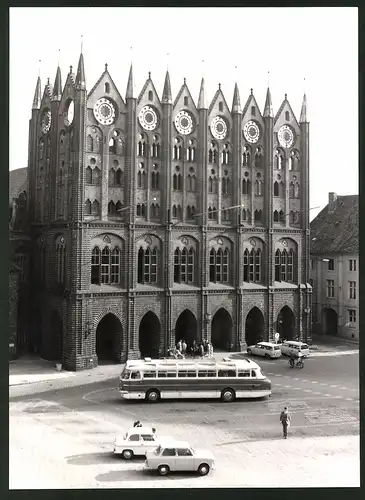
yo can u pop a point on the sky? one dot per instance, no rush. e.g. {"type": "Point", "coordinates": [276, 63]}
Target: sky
{"type": "Point", "coordinates": [294, 49]}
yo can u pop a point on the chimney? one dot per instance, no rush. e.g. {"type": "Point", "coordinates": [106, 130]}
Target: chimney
{"type": "Point", "coordinates": [332, 198]}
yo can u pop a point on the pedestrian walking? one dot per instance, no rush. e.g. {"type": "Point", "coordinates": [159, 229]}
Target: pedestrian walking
{"type": "Point", "coordinates": [193, 349]}
{"type": "Point", "coordinates": [210, 350]}
{"type": "Point", "coordinates": [201, 350]}
{"type": "Point", "coordinates": [184, 347]}
{"type": "Point", "coordinates": [179, 346]}
{"type": "Point", "coordinates": [285, 421]}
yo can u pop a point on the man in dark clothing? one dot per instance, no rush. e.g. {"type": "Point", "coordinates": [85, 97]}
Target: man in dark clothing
{"type": "Point", "coordinates": [285, 422]}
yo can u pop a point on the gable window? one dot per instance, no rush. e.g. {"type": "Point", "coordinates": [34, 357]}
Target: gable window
{"type": "Point", "coordinates": [107, 88]}
{"type": "Point", "coordinates": [186, 101]}
{"type": "Point", "coordinates": [220, 106]}
{"type": "Point", "coordinates": [150, 95]}
{"type": "Point", "coordinates": [253, 111]}
{"type": "Point", "coordinates": [287, 116]}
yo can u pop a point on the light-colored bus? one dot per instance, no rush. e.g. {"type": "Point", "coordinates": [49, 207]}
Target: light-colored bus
{"type": "Point", "coordinates": [228, 379]}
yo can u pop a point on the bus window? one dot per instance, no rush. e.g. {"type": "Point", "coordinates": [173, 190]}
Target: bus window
{"type": "Point", "coordinates": [227, 373]}
{"type": "Point", "coordinates": [192, 374]}
{"type": "Point", "coordinates": [212, 374]}
{"type": "Point", "coordinates": [245, 373]}
{"type": "Point", "coordinates": [202, 373]}
{"type": "Point", "coordinates": [126, 374]}
{"type": "Point", "coordinates": [149, 374]}
{"type": "Point", "coordinates": [182, 374]}
{"type": "Point", "coordinates": [253, 373]}
{"type": "Point", "coordinates": [136, 375]}
{"type": "Point", "coordinates": [161, 374]}
{"type": "Point", "coordinates": [171, 374]}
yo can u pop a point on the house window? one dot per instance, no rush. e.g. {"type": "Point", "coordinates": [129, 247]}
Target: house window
{"type": "Point", "coordinates": [147, 265]}
{"type": "Point", "coordinates": [184, 263]}
{"type": "Point", "coordinates": [352, 265]}
{"type": "Point", "coordinates": [284, 266]}
{"type": "Point", "coordinates": [155, 180]}
{"type": "Point", "coordinates": [105, 266]}
{"type": "Point", "coordinates": [352, 315]}
{"type": "Point", "coordinates": [331, 265]}
{"type": "Point", "coordinates": [352, 289]}
{"type": "Point", "coordinates": [176, 182]}
{"type": "Point", "coordinates": [107, 88]}
{"type": "Point", "coordinates": [330, 289]}
{"type": "Point", "coordinates": [219, 268]}
{"type": "Point", "coordinates": [253, 111]}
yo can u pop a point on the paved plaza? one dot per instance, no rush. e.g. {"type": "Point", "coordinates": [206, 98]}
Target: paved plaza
{"type": "Point", "coordinates": [62, 430]}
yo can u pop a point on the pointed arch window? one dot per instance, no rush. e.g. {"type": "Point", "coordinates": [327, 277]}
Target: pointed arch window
{"type": "Point", "coordinates": [105, 265]}
{"type": "Point", "coordinates": [276, 216]}
{"type": "Point", "coordinates": [252, 265]}
{"type": "Point", "coordinates": [184, 265]}
{"type": "Point", "coordinates": [111, 209]}
{"type": "Point", "coordinates": [290, 266]}
{"type": "Point", "coordinates": [191, 182]}
{"type": "Point", "coordinates": [283, 264]}
{"type": "Point", "coordinates": [107, 88]}
{"type": "Point", "coordinates": [296, 190]}
{"type": "Point", "coordinates": [253, 111]}
{"type": "Point", "coordinates": [276, 188]}
{"type": "Point", "coordinates": [95, 176]}
{"type": "Point", "coordinates": [246, 186]}
{"type": "Point", "coordinates": [90, 143]}
{"type": "Point", "coordinates": [259, 157]}
{"type": "Point", "coordinates": [259, 187]}
{"type": "Point", "coordinates": [212, 213]}
{"type": "Point", "coordinates": [155, 180]}
{"type": "Point", "coordinates": [118, 208]}
{"type": "Point", "coordinates": [291, 190]}
{"type": "Point", "coordinates": [115, 266]}
{"type": "Point", "coordinates": [219, 265]}
{"type": "Point", "coordinates": [258, 216]}
{"type": "Point", "coordinates": [141, 210]}
{"type": "Point", "coordinates": [87, 207]}
{"type": "Point", "coordinates": [176, 182]}
{"type": "Point", "coordinates": [246, 156]}
{"type": "Point", "coordinates": [112, 146]}
{"type": "Point", "coordinates": [111, 177]}
{"type": "Point", "coordinates": [118, 177]}
{"type": "Point", "coordinates": [148, 261]}
{"type": "Point", "coordinates": [278, 159]}
{"type": "Point", "coordinates": [88, 175]}
{"type": "Point", "coordinates": [213, 153]}
{"type": "Point", "coordinates": [141, 150]}
{"type": "Point", "coordinates": [95, 208]}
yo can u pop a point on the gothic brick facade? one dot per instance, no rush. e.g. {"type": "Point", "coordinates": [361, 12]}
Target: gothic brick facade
{"type": "Point", "coordinates": [153, 220]}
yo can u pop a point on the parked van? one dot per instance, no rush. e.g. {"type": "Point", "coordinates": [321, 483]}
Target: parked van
{"type": "Point", "coordinates": [289, 347]}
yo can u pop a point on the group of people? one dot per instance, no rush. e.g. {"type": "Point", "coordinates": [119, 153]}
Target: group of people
{"type": "Point", "coordinates": [196, 349]}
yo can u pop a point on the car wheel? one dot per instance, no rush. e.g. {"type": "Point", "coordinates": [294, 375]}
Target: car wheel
{"type": "Point", "coordinates": [152, 396]}
{"type": "Point", "coordinates": [163, 470]}
{"type": "Point", "coordinates": [267, 356]}
{"type": "Point", "coordinates": [127, 454]}
{"type": "Point", "coordinates": [249, 351]}
{"type": "Point", "coordinates": [228, 395]}
{"type": "Point", "coordinates": [203, 469]}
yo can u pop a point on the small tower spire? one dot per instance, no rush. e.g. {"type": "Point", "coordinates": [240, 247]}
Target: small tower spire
{"type": "Point", "coordinates": [130, 85]}
{"type": "Point", "coordinates": [202, 103]}
{"type": "Point", "coordinates": [236, 105]}
{"type": "Point", "coordinates": [268, 111]}
{"type": "Point", "coordinates": [304, 112]}
{"type": "Point", "coordinates": [80, 75]}
{"type": "Point", "coordinates": [37, 94]}
{"type": "Point", "coordinates": [57, 89]}
{"type": "Point", "coordinates": [166, 94]}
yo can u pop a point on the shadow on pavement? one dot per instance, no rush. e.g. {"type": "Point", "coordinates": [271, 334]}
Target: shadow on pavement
{"type": "Point", "coordinates": [139, 475]}
{"type": "Point", "coordinates": [106, 457]}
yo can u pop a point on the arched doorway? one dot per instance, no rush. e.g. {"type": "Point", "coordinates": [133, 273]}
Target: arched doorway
{"type": "Point", "coordinates": [254, 326]}
{"type": "Point", "coordinates": [186, 327]}
{"type": "Point", "coordinates": [149, 336]}
{"type": "Point", "coordinates": [108, 338]}
{"type": "Point", "coordinates": [222, 330]}
{"type": "Point", "coordinates": [56, 336]}
{"type": "Point", "coordinates": [330, 321]}
{"type": "Point", "coordinates": [285, 324]}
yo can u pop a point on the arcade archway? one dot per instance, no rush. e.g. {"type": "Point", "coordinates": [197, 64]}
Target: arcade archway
{"type": "Point", "coordinates": [56, 336]}
{"type": "Point", "coordinates": [285, 324]}
{"type": "Point", "coordinates": [254, 326]}
{"type": "Point", "coordinates": [330, 321]}
{"type": "Point", "coordinates": [186, 328]}
{"type": "Point", "coordinates": [108, 338]}
{"type": "Point", "coordinates": [222, 330]}
{"type": "Point", "coordinates": [149, 336]}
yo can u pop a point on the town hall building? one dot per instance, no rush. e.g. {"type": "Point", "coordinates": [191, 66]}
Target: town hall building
{"type": "Point", "coordinates": [154, 219]}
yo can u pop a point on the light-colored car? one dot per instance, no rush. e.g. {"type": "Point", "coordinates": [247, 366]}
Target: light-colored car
{"type": "Point", "coordinates": [266, 349]}
{"type": "Point", "coordinates": [179, 456]}
{"type": "Point", "coordinates": [289, 347]}
{"type": "Point", "coordinates": [137, 441]}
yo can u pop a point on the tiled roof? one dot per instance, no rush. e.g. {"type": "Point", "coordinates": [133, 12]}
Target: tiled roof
{"type": "Point", "coordinates": [338, 231]}
{"type": "Point", "coordinates": [17, 182]}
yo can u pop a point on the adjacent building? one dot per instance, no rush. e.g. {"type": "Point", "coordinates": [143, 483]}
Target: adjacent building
{"type": "Point", "coordinates": [335, 267]}
{"type": "Point", "coordinates": [154, 219]}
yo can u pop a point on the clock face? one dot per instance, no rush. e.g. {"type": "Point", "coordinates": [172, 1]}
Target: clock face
{"type": "Point", "coordinates": [46, 121]}
{"type": "Point", "coordinates": [285, 136]}
{"type": "Point", "coordinates": [70, 114]}
{"type": "Point", "coordinates": [251, 132]}
{"type": "Point", "coordinates": [218, 128]}
{"type": "Point", "coordinates": [184, 123]}
{"type": "Point", "coordinates": [104, 111]}
{"type": "Point", "coordinates": [148, 118]}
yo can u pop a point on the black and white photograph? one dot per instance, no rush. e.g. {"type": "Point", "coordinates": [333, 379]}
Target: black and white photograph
{"type": "Point", "coordinates": [184, 248]}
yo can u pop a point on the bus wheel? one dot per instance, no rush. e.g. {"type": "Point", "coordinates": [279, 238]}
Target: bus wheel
{"type": "Point", "coordinates": [228, 395]}
{"type": "Point", "coordinates": [152, 396]}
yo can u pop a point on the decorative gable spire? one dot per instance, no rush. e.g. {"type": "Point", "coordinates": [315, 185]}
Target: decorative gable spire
{"type": "Point", "coordinates": [166, 94]}
{"type": "Point", "coordinates": [303, 114]}
{"type": "Point", "coordinates": [80, 75]}
{"type": "Point", "coordinates": [130, 93]}
{"type": "Point", "coordinates": [202, 103]}
{"type": "Point", "coordinates": [268, 111]}
{"type": "Point", "coordinates": [57, 89]}
{"type": "Point", "coordinates": [236, 105]}
{"type": "Point", "coordinates": [37, 95]}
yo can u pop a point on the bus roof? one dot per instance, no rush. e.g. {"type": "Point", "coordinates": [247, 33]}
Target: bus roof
{"type": "Point", "coordinates": [182, 364]}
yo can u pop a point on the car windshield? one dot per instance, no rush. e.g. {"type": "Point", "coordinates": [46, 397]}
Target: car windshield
{"type": "Point", "coordinates": [277, 347]}
{"type": "Point", "coordinates": [158, 450]}
{"type": "Point", "coordinates": [304, 346]}
{"type": "Point", "coordinates": [126, 374]}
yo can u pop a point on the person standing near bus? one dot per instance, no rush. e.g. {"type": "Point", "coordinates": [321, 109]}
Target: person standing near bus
{"type": "Point", "coordinates": [183, 347]}
{"type": "Point", "coordinates": [285, 422]}
{"type": "Point", "coordinates": [179, 346]}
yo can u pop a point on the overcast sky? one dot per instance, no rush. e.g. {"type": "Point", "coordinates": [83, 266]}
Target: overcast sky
{"type": "Point", "coordinates": [318, 44]}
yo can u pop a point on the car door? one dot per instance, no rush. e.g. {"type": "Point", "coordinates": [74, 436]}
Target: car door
{"type": "Point", "coordinates": [148, 442]}
{"type": "Point", "coordinates": [184, 459]}
{"type": "Point", "coordinates": [134, 444]}
{"type": "Point", "coordinates": [168, 457]}
{"type": "Point", "coordinates": [256, 349]}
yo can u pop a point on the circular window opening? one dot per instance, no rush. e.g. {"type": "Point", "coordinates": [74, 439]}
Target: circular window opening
{"type": "Point", "coordinates": [92, 161]}
{"type": "Point", "coordinates": [246, 174]}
